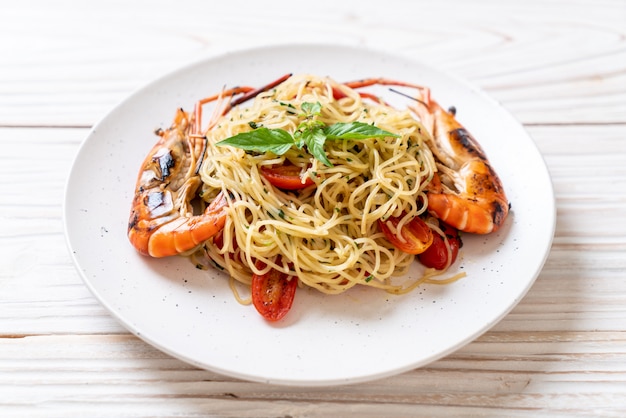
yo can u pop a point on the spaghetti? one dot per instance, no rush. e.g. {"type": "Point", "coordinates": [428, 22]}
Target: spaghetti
{"type": "Point", "coordinates": [326, 233]}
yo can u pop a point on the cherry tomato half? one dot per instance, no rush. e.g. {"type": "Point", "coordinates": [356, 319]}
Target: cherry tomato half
{"type": "Point", "coordinates": [417, 236]}
{"type": "Point", "coordinates": [273, 293]}
{"type": "Point", "coordinates": [436, 256]}
{"type": "Point", "coordinates": [286, 176]}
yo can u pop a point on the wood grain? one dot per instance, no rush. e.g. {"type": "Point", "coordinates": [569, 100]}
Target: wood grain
{"type": "Point", "coordinates": [557, 66]}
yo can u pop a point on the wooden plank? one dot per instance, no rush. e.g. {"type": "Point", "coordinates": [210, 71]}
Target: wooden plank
{"type": "Point", "coordinates": [96, 371]}
{"type": "Point", "coordinates": [574, 72]}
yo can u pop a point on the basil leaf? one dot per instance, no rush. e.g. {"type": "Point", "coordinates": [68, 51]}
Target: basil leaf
{"type": "Point", "coordinates": [314, 140]}
{"type": "Point", "coordinates": [311, 108]}
{"type": "Point", "coordinates": [298, 139]}
{"type": "Point", "coordinates": [277, 141]}
{"type": "Point", "coordinates": [356, 131]}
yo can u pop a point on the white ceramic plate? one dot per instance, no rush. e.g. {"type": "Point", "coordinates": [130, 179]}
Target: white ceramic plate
{"type": "Point", "coordinates": [361, 335]}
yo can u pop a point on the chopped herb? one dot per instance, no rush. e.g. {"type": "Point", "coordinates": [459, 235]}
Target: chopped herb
{"type": "Point", "coordinates": [219, 267]}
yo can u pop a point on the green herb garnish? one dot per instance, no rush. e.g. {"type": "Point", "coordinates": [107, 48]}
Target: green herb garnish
{"type": "Point", "coordinates": [311, 133]}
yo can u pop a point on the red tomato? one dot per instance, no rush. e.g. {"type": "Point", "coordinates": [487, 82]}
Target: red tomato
{"type": "Point", "coordinates": [338, 94]}
{"type": "Point", "coordinates": [273, 293]}
{"type": "Point", "coordinates": [218, 241]}
{"type": "Point", "coordinates": [286, 176]}
{"type": "Point", "coordinates": [436, 256]}
{"type": "Point", "coordinates": [417, 235]}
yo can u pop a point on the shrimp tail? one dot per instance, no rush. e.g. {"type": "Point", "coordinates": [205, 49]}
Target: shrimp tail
{"type": "Point", "coordinates": [185, 233]}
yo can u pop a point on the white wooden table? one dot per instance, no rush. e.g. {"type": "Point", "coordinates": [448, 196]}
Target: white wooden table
{"type": "Point", "coordinates": [558, 66]}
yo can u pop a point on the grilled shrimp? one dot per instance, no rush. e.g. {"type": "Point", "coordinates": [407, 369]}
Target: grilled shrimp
{"type": "Point", "coordinates": [466, 193]}
{"type": "Point", "coordinates": [162, 220]}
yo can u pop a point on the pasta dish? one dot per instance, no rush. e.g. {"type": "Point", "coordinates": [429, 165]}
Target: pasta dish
{"type": "Point", "coordinates": [314, 183]}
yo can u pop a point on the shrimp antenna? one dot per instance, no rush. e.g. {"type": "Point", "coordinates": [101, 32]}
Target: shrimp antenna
{"type": "Point", "coordinates": [253, 93]}
{"type": "Point", "coordinates": [408, 96]}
